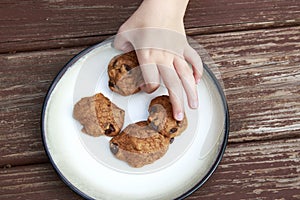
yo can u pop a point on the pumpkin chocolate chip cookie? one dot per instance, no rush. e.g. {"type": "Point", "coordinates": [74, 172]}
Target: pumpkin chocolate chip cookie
{"type": "Point", "coordinates": [161, 117]}
{"type": "Point", "coordinates": [125, 76]}
{"type": "Point", "coordinates": [99, 116]}
{"type": "Point", "coordinates": [139, 145]}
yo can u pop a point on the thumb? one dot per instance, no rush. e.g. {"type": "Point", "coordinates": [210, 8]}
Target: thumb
{"type": "Point", "coordinates": [122, 43]}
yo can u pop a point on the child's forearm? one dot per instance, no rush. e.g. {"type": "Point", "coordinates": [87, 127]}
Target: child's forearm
{"type": "Point", "coordinates": [173, 9]}
{"type": "Point", "coordinates": [166, 17]}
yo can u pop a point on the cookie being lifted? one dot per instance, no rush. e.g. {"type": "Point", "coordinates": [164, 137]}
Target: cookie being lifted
{"type": "Point", "coordinates": [161, 117]}
{"type": "Point", "coordinates": [139, 145]}
{"type": "Point", "coordinates": [125, 76]}
{"type": "Point", "coordinates": [99, 116]}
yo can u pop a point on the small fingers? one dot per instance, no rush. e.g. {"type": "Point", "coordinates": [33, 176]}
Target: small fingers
{"type": "Point", "coordinates": [173, 84]}
{"type": "Point", "coordinates": [149, 71]}
{"type": "Point", "coordinates": [185, 74]}
{"type": "Point", "coordinates": [122, 43]}
{"type": "Point", "coordinates": [194, 59]}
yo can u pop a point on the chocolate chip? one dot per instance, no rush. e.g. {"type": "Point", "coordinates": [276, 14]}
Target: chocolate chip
{"type": "Point", "coordinates": [172, 140]}
{"type": "Point", "coordinates": [179, 123]}
{"type": "Point", "coordinates": [153, 109]}
{"type": "Point", "coordinates": [110, 129]}
{"type": "Point", "coordinates": [173, 130]}
{"type": "Point", "coordinates": [107, 131]}
{"type": "Point", "coordinates": [115, 63]}
{"type": "Point", "coordinates": [110, 84]}
{"type": "Point", "coordinates": [153, 126]}
{"type": "Point", "coordinates": [114, 148]}
{"type": "Point", "coordinates": [117, 87]}
{"type": "Point", "coordinates": [127, 67]}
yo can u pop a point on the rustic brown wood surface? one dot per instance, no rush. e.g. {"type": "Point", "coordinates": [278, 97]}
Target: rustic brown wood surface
{"type": "Point", "coordinates": [254, 44]}
{"type": "Point", "coordinates": [36, 25]}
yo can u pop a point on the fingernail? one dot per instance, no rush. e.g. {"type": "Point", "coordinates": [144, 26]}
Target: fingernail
{"type": "Point", "coordinates": [194, 104]}
{"type": "Point", "coordinates": [197, 80]}
{"type": "Point", "coordinates": [142, 87]}
{"type": "Point", "coordinates": [179, 116]}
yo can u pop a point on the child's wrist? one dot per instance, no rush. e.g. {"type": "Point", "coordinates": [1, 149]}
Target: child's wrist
{"type": "Point", "coordinates": [173, 8]}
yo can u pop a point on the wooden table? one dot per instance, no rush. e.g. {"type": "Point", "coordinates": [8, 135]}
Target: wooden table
{"type": "Point", "coordinates": [255, 44]}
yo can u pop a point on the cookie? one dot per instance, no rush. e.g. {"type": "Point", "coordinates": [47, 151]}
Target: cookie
{"type": "Point", "coordinates": [99, 116]}
{"type": "Point", "coordinates": [125, 76]}
{"type": "Point", "coordinates": [161, 117]}
{"type": "Point", "coordinates": [139, 145]}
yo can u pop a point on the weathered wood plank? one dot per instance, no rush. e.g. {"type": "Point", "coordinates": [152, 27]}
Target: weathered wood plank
{"type": "Point", "coordinates": [24, 80]}
{"type": "Point", "coordinates": [33, 182]}
{"type": "Point", "coordinates": [264, 170]}
{"type": "Point", "coordinates": [35, 25]}
{"type": "Point", "coordinates": [260, 70]}
{"type": "Point", "coordinates": [203, 17]}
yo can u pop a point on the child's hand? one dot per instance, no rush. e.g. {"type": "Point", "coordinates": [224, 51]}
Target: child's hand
{"type": "Point", "coordinates": [156, 32]}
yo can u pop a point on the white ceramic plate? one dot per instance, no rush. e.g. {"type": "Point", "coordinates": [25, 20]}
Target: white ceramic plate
{"type": "Point", "coordinates": [86, 164]}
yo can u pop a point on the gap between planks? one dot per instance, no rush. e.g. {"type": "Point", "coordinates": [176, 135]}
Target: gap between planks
{"type": "Point", "coordinates": [259, 169]}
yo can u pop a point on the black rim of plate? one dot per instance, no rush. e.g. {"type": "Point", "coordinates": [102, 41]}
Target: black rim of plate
{"type": "Point", "coordinates": [78, 191]}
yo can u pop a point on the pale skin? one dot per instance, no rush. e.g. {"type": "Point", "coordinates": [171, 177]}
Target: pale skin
{"type": "Point", "coordinates": [173, 69]}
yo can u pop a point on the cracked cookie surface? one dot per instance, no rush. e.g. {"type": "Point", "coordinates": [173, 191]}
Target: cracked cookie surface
{"type": "Point", "coordinates": [125, 76]}
{"type": "Point", "coordinates": [139, 145]}
{"type": "Point", "coordinates": [99, 116]}
{"type": "Point", "coordinates": [161, 117]}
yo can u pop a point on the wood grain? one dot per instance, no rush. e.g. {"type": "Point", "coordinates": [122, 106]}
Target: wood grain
{"type": "Point", "coordinates": [255, 47]}
{"type": "Point", "coordinates": [33, 182]}
{"type": "Point", "coordinates": [36, 25]}
{"type": "Point", "coordinates": [25, 80]}
{"type": "Point", "coordinates": [261, 170]}
{"type": "Point", "coordinates": [257, 170]}
{"type": "Point", "coordinates": [260, 71]}
{"type": "Point", "coordinates": [261, 84]}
